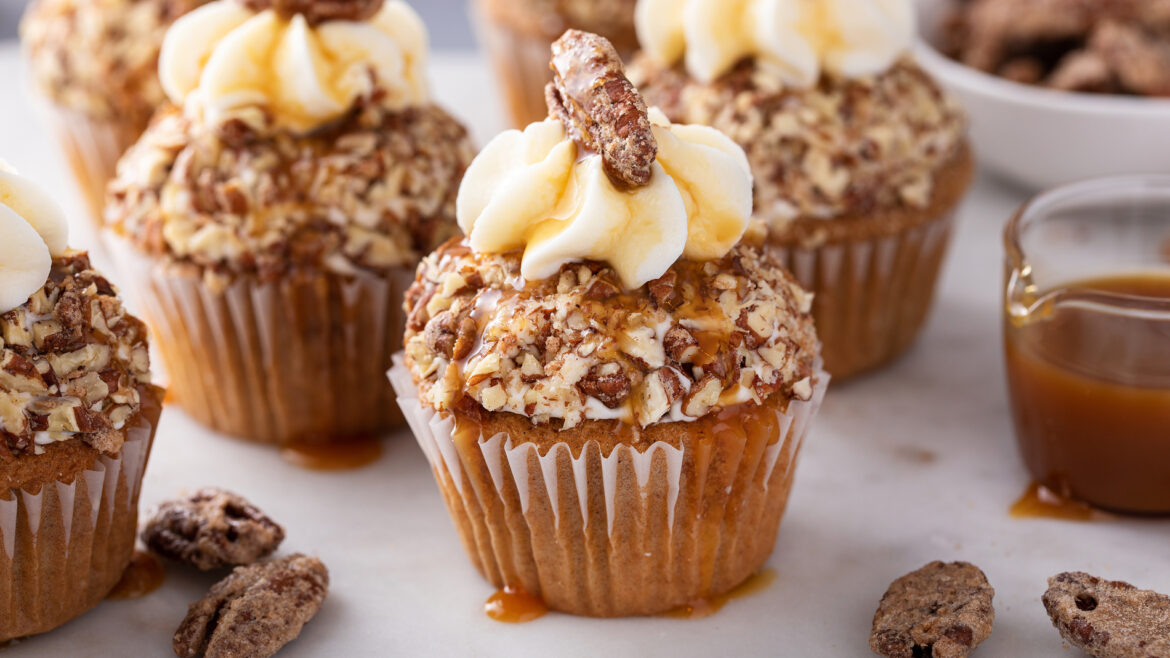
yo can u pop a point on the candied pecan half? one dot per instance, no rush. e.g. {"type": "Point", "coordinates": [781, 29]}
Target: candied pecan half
{"type": "Point", "coordinates": [212, 528]}
{"type": "Point", "coordinates": [1108, 619]}
{"type": "Point", "coordinates": [600, 108]}
{"type": "Point", "coordinates": [319, 11]}
{"type": "Point", "coordinates": [942, 610]}
{"type": "Point", "coordinates": [255, 611]}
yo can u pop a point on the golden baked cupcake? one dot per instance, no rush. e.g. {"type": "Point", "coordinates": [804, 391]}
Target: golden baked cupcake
{"type": "Point", "coordinates": [517, 35]}
{"type": "Point", "coordinates": [95, 62]}
{"type": "Point", "coordinates": [77, 418]}
{"type": "Point", "coordinates": [611, 391]}
{"type": "Point", "coordinates": [276, 216]}
{"type": "Point", "coordinates": [860, 159]}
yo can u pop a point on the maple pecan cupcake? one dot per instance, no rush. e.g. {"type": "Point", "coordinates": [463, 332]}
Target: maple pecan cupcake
{"type": "Point", "coordinates": [77, 418]}
{"type": "Point", "coordinates": [860, 159]}
{"type": "Point", "coordinates": [275, 219]}
{"type": "Point", "coordinates": [611, 391]}
{"type": "Point", "coordinates": [517, 35]}
{"type": "Point", "coordinates": [95, 62]}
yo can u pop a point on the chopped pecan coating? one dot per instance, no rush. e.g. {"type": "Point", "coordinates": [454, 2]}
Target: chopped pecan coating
{"type": "Point", "coordinates": [1109, 619]}
{"type": "Point", "coordinates": [100, 58]}
{"type": "Point", "coordinates": [319, 11]}
{"type": "Point", "coordinates": [942, 610]}
{"type": "Point", "coordinates": [846, 147]}
{"type": "Point", "coordinates": [557, 351]}
{"type": "Point", "coordinates": [73, 363]}
{"type": "Point", "coordinates": [255, 611]}
{"type": "Point", "coordinates": [372, 192]}
{"type": "Point", "coordinates": [599, 107]}
{"type": "Point", "coordinates": [210, 529]}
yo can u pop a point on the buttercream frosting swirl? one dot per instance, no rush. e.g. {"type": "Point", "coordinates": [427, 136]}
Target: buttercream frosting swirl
{"type": "Point", "coordinates": [797, 39]}
{"type": "Point", "coordinates": [223, 60]}
{"type": "Point", "coordinates": [535, 190]}
{"type": "Point", "coordinates": [33, 230]}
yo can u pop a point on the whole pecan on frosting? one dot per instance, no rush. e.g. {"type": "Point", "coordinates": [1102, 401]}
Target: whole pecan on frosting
{"type": "Point", "coordinates": [319, 11]}
{"type": "Point", "coordinates": [601, 109]}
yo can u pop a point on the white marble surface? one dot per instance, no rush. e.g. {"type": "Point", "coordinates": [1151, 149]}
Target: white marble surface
{"type": "Point", "coordinates": [910, 465]}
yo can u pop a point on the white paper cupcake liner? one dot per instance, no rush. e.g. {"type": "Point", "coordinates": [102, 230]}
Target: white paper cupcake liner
{"type": "Point", "coordinates": [872, 296]}
{"type": "Point", "coordinates": [629, 532]}
{"type": "Point", "coordinates": [66, 546]}
{"type": "Point", "coordinates": [301, 359]}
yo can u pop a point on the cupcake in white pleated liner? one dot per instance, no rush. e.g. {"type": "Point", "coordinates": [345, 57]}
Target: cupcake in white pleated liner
{"type": "Point", "coordinates": [274, 216]}
{"type": "Point", "coordinates": [611, 388]}
{"type": "Point", "coordinates": [77, 418]}
{"type": "Point", "coordinates": [860, 158]}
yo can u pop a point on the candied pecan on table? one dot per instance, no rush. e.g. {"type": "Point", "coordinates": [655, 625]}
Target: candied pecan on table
{"type": "Point", "coordinates": [1108, 619]}
{"type": "Point", "coordinates": [212, 528]}
{"type": "Point", "coordinates": [255, 611]}
{"type": "Point", "coordinates": [942, 610]}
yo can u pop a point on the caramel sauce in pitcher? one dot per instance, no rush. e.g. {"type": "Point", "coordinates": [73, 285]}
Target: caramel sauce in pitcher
{"type": "Point", "coordinates": [1090, 395]}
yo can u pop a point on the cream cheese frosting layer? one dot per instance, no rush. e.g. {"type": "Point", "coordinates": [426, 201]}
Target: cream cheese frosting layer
{"type": "Point", "coordinates": [223, 59]}
{"type": "Point", "coordinates": [797, 39]}
{"type": "Point", "coordinates": [534, 190]}
{"type": "Point", "coordinates": [32, 231]}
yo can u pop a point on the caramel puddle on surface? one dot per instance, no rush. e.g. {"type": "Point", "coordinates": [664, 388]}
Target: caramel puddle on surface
{"type": "Point", "coordinates": [169, 397]}
{"type": "Point", "coordinates": [757, 583]}
{"type": "Point", "coordinates": [142, 576]}
{"type": "Point", "coordinates": [1040, 502]}
{"type": "Point", "coordinates": [513, 605]}
{"type": "Point", "coordinates": [345, 456]}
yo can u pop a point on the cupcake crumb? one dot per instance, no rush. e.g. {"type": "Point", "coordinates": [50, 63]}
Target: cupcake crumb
{"type": "Point", "coordinates": [942, 610]}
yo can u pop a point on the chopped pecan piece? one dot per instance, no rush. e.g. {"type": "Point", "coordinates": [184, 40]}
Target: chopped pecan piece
{"type": "Point", "coordinates": [600, 108]}
{"type": "Point", "coordinates": [319, 11]}
{"type": "Point", "coordinates": [681, 345]}
{"type": "Point", "coordinates": [704, 395]}
{"type": "Point", "coordinates": [942, 610]}
{"type": "Point", "coordinates": [608, 383]}
{"type": "Point", "coordinates": [1109, 619]}
{"type": "Point", "coordinates": [255, 611]}
{"type": "Point", "coordinates": [663, 291]}
{"type": "Point", "coordinates": [212, 528]}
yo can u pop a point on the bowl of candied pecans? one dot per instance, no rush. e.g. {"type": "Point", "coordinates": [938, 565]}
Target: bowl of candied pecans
{"type": "Point", "coordinates": [1057, 90]}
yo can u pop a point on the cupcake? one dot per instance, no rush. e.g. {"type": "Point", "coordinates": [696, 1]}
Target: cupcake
{"type": "Point", "coordinates": [77, 418]}
{"type": "Point", "coordinates": [95, 63]}
{"type": "Point", "coordinates": [860, 159]}
{"type": "Point", "coordinates": [276, 214]}
{"type": "Point", "coordinates": [612, 389]}
{"type": "Point", "coordinates": [517, 35]}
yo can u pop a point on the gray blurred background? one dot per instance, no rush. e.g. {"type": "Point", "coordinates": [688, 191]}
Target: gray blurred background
{"type": "Point", "coordinates": [446, 19]}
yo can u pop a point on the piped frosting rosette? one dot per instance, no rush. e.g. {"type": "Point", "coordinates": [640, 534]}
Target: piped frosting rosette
{"type": "Point", "coordinates": [232, 59]}
{"type": "Point", "coordinates": [34, 231]}
{"type": "Point", "coordinates": [611, 391]}
{"type": "Point", "coordinates": [797, 39]}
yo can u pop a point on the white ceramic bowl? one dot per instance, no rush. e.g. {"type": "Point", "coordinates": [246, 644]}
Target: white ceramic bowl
{"type": "Point", "coordinates": [1042, 138]}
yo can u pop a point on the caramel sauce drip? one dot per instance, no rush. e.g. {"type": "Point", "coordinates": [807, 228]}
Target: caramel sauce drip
{"type": "Point", "coordinates": [142, 576]}
{"type": "Point", "coordinates": [706, 607]}
{"type": "Point", "coordinates": [341, 456]}
{"type": "Point", "coordinates": [1040, 502]}
{"type": "Point", "coordinates": [513, 605]}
